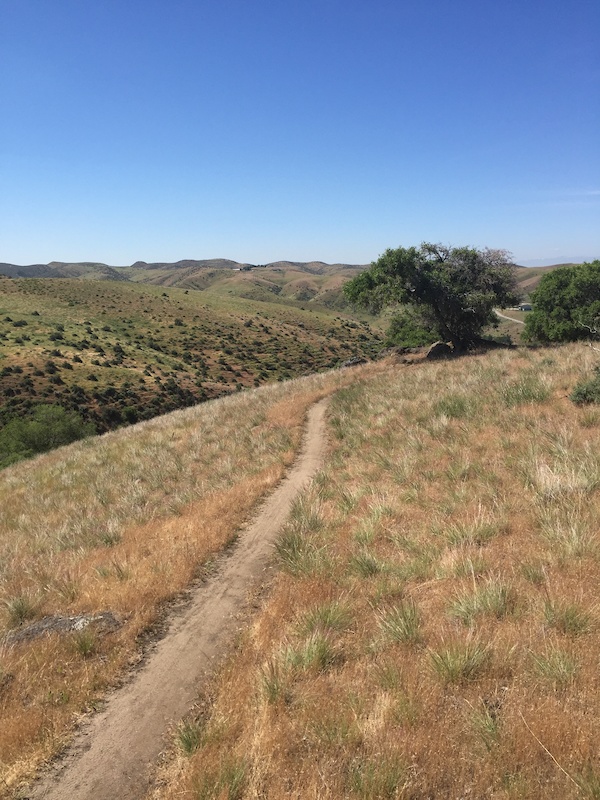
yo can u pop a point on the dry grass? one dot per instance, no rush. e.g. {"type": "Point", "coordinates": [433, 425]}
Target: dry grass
{"type": "Point", "coordinates": [124, 523]}
{"type": "Point", "coordinates": [433, 630]}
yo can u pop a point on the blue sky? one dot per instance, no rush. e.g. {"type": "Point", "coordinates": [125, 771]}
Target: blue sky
{"type": "Point", "coordinates": [297, 129]}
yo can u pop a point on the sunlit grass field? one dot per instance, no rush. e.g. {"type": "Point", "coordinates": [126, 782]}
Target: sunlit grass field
{"type": "Point", "coordinates": [433, 631]}
{"type": "Point", "coordinates": [124, 523]}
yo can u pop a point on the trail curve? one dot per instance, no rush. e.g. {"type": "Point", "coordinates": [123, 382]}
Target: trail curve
{"type": "Point", "coordinates": [115, 751]}
{"type": "Point", "coordinates": [510, 319]}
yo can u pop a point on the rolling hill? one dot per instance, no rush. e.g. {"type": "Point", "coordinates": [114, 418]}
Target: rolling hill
{"type": "Point", "coordinates": [120, 349]}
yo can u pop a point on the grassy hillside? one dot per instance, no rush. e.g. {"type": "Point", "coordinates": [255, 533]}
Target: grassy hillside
{"type": "Point", "coordinates": [120, 351]}
{"type": "Point", "coordinates": [434, 630]}
{"type": "Point", "coordinates": [118, 525]}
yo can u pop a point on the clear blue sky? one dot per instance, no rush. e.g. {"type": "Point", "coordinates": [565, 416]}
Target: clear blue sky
{"type": "Point", "coordinates": [260, 130]}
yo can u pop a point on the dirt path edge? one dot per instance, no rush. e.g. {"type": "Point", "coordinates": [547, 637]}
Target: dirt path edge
{"type": "Point", "coordinates": [115, 751]}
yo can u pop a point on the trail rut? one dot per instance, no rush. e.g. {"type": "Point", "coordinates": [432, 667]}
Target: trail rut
{"type": "Point", "coordinates": [115, 751]}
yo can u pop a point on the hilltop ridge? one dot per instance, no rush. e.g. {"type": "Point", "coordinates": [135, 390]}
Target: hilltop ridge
{"type": "Point", "coordinates": [74, 269]}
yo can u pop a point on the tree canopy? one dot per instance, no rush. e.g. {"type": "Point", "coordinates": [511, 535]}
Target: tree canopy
{"type": "Point", "coordinates": [566, 304]}
{"type": "Point", "coordinates": [453, 289]}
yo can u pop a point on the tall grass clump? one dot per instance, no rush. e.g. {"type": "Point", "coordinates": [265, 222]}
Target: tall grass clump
{"type": "Point", "coordinates": [494, 598]}
{"type": "Point", "coordinates": [229, 781]}
{"type": "Point", "coordinates": [383, 779]}
{"type": "Point", "coordinates": [525, 389]}
{"type": "Point", "coordinates": [566, 617]}
{"type": "Point", "coordinates": [401, 623]}
{"type": "Point", "coordinates": [460, 661]}
{"type": "Point", "coordinates": [556, 666]}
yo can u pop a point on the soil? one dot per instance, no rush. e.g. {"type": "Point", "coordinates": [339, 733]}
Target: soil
{"type": "Point", "coordinates": [115, 751]}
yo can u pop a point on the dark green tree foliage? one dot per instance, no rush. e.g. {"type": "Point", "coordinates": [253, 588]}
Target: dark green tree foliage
{"type": "Point", "coordinates": [408, 329]}
{"type": "Point", "coordinates": [453, 289]}
{"type": "Point", "coordinates": [566, 305]}
{"type": "Point", "coordinates": [47, 427]}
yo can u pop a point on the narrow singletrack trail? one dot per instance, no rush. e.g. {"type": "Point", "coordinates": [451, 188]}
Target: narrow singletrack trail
{"type": "Point", "coordinates": [115, 751]}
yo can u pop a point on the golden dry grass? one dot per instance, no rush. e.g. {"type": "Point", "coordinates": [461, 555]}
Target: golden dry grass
{"type": "Point", "coordinates": [124, 523]}
{"type": "Point", "coordinates": [434, 630]}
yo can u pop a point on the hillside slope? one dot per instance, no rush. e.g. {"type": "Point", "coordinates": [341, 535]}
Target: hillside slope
{"type": "Point", "coordinates": [119, 351]}
{"type": "Point", "coordinates": [434, 629]}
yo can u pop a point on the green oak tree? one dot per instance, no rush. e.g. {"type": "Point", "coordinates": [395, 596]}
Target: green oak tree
{"type": "Point", "coordinates": [566, 304]}
{"type": "Point", "coordinates": [453, 290]}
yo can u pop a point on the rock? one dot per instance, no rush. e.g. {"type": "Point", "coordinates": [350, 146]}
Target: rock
{"type": "Point", "coordinates": [354, 362]}
{"type": "Point", "coordinates": [104, 622]}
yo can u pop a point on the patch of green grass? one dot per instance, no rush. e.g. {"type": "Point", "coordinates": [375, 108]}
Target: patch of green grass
{"type": "Point", "coordinates": [568, 618]}
{"type": "Point", "coordinates": [20, 609]}
{"type": "Point", "coordinates": [316, 652]}
{"type": "Point", "coordinates": [85, 642]}
{"type": "Point", "coordinates": [455, 406]}
{"type": "Point", "coordinates": [485, 723]}
{"type": "Point", "coordinates": [365, 564]}
{"type": "Point", "coordinates": [460, 661]}
{"type": "Point", "coordinates": [555, 666]}
{"type": "Point", "coordinates": [534, 572]}
{"type": "Point", "coordinates": [377, 780]}
{"type": "Point", "coordinates": [229, 782]}
{"type": "Point", "coordinates": [493, 598]}
{"type": "Point", "coordinates": [401, 623]}
{"type": "Point", "coordinates": [298, 555]}
{"type": "Point", "coordinates": [189, 736]}
{"type": "Point", "coordinates": [333, 616]}
{"type": "Point", "coordinates": [526, 389]}
{"type": "Point", "coordinates": [476, 533]}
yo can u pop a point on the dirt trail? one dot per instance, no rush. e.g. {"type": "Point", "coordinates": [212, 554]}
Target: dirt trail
{"type": "Point", "coordinates": [115, 750]}
{"type": "Point", "coordinates": [510, 319]}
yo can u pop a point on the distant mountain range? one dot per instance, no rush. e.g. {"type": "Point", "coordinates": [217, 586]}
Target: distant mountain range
{"type": "Point", "coordinates": [301, 280]}
{"type": "Point", "coordinates": [98, 271]}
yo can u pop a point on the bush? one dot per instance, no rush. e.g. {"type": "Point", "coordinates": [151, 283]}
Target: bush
{"type": "Point", "coordinates": [587, 391]}
{"type": "Point", "coordinates": [47, 427]}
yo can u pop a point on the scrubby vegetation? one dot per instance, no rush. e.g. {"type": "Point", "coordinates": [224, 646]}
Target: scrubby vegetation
{"type": "Point", "coordinates": [45, 428]}
{"type": "Point", "coordinates": [117, 352]}
{"type": "Point", "coordinates": [587, 390]}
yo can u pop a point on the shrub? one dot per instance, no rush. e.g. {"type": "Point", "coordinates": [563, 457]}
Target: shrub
{"type": "Point", "coordinates": [47, 427]}
{"type": "Point", "coordinates": [586, 392]}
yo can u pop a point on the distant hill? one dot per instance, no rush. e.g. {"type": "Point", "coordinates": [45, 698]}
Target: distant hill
{"type": "Point", "coordinates": [84, 269]}
{"type": "Point", "coordinates": [529, 277]}
{"type": "Point", "coordinates": [284, 282]}
{"type": "Point", "coordinates": [124, 344]}
{"type": "Point", "coordinates": [61, 269]}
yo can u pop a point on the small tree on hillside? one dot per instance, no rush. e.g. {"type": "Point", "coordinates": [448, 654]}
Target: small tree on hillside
{"type": "Point", "coordinates": [566, 304]}
{"type": "Point", "coordinates": [453, 289]}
